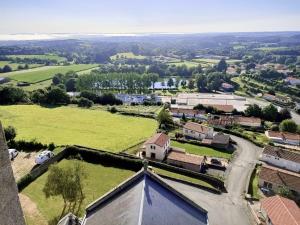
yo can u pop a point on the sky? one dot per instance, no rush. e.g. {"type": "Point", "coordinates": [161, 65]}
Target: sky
{"type": "Point", "coordinates": [148, 16]}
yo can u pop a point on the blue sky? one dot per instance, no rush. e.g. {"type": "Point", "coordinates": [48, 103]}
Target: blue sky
{"type": "Point", "coordinates": [142, 16]}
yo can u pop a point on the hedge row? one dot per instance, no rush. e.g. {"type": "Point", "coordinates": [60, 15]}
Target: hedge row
{"type": "Point", "coordinates": [27, 146]}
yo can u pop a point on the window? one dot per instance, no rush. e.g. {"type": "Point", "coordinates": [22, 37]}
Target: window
{"type": "Point", "coordinates": [152, 147]}
{"type": "Point", "coordinates": [268, 185]}
{"type": "Point", "coordinates": [152, 156]}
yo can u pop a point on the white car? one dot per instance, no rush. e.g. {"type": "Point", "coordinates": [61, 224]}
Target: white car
{"type": "Point", "coordinates": [12, 153]}
{"type": "Point", "coordinates": [43, 157]}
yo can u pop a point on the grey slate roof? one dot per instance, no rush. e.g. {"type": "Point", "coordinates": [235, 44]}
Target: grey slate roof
{"type": "Point", "coordinates": [69, 219]}
{"type": "Point", "coordinates": [144, 199]}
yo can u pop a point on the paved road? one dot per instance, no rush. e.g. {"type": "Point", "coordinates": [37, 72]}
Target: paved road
{"type": "Point", "coordinates": [228, 208]}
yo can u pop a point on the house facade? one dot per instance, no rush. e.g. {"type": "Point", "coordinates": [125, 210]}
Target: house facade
{"type": "Point", "coordinates": [282, 158]}
{"type": "Point", "coordinates": [283, 137]}
{"type": "Point", "coordinates": [157, 147]}
{"type": "Point", "coordinates": [248, 121]}
{"type": "Point", "coordinates": [274, 178]}
{"type": "Point", "coordinates": [189, 113]}
{"type": "Point", "coordinates": [197, 131]}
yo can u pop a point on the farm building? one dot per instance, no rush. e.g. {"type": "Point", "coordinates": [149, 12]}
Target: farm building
{"type": "Point", "coordinates": [197, 131]}
{"type": "Point", "coordinates": [143, 199]}
{"type": "Point", "coordinates": [157, 147]}
{"type": "Point", "coordinates": [186, 161]}
{"type": "Point", "coordinates": [274, 178]}
{"type": "Point", "coordinates": [283, 137]}
{"type": "Point", "coordinates": [281, 157]}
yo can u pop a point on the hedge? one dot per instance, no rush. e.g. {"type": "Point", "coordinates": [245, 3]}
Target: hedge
{"type": "Point", "coordinates": [27, 146]}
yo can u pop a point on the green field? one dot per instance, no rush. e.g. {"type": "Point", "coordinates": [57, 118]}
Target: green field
{"type": "Point", "coordinates": [43, 57]}
{"type": "Point", "coordinates": [215, 61]}
{"type": "Point", "coordinates": [72, 125]}
{"type": "Point", "coordinates": [100, 179]}
{"type": "Point", "coordinates": [127, 55]}
{"type": "Point", "coordinates": [201, 150]}
{"type": "Point", "coordinates": [14, 66]}
{"type": "Point", "coordinates": [46, 72]}
{"type": "Point", "coordinates": [189, 64]}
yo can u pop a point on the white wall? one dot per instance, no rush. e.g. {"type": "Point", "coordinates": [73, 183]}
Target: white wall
{"type": "Point", "coordinates": [198, 136]}
{"type": "Point", "coordinates": [283, 163]}
{"type": "Point", "coordinates": [160, 152]}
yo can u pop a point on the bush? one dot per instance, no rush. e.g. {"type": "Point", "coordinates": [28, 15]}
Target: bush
{"type": "Point", "coordinates": [10, 133]}
{"type": "Point", "coordinates": [27, 146]}
{"type": "Point", "coordinates": [51, 146]}
{"type": "Point", "coordinates": [57, 96]}
{"type": "Point", "coordinates": [113, 109]}
{"type": "Point", "coordinates": [288, 126]}
{"type": "Point", "coordinates": [12, 95]}
{"type": "Point", "coordinates": [84, 102]}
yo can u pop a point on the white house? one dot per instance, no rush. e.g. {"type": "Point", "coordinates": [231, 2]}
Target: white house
{"type": "Point", "coordinates": [281, 157]}
{"type": "Point", "coordinates": [283, 137]}
{"type": "Point", "coordinates": [198, 131]}
{"type": "Point", "coordinates": [157, 147]}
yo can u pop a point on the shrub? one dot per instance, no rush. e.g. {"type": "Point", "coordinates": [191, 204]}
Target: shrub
{"type": "Point", "coordinates": [51, 146]}
{"type": "Point", "coordinates": [27, 146]}
{"type": "Point", "coordinates": [12, 95]}
{"type": "Point", "coordinates": [84, 102]}
{"type": "Point", "coordinates": [113, 109]}
{"type": "Point", "coordinates": [10, 133]}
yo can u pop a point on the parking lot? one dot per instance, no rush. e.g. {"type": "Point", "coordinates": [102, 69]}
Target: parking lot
{"type": "Point", "coordinates": [23, 164]}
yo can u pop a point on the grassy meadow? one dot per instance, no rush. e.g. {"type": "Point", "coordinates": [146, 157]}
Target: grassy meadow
{"type": "Point", "coordinates": [127, 55]}
{"type": "Point", "coordinates": [14, 66]}
{"type": "Point", "coordinates": [42, 57]}
{"type": "Point", "coordinates": [72, 125]}
{"type": "Point", "coordinates": [45, 72]}
{"type": "Point", "coordinates": [100, 179]}
{"type": "Point", "coordinates": [201, 150]}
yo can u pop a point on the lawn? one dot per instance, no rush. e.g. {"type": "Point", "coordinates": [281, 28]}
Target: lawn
{"type": "Point", "coordinates": [14, 66]}
{"type": "Point", "coordinates": [189, 64]}
{"type": "Point", "coordinates": [42, 57]}
{"type": "Point", "coordinates": [201, 150]}
{"type": "Point", "coordinates": [45, 72]}
{"type": "Point", "coordinates": [127, 55]}
{"type": "Point", "coordinates": [100, 179]}
{"type": "Point", "coordinates": [72, 125]}
{"type": "Point", "coordinates": [182, 177]}
{"type": "Point", "coordinates": [253, 184]}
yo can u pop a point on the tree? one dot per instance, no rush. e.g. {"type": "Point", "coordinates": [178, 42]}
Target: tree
{"type": "Point", "coordinates": [270, 113]}
{"type": "Point", "coordinates": [66, 182]}
{"type": "Point", "coordinates": [222, 66]}
{"type": "Point", "coordinates": [71, 84]}
{"type": "Point", "coordinates": [10, 133]}
{"type": "Point", "coordinates": [12, 95]}
{"type": "Point", "coordinates": [253, 110]}
{"type": "Point", "coordinates": [57, 96]}
{"type": "Point", "coordinates": [170, 82]}
{"type": "Point", "coordinates": [6, 69]}
{"type": "Point", "coordinates": [288, 126]}
{"type": "Point", "coordinates": [201, 82]}
{"type": "Point", "coordinates": [153, 79]}
{"type": "Point", "coordinates": [84, 102]}
{"type": "Point", "coordinates": [165, 118]}
{"type": "Point", "coordinates": [284, 114]}
{"type": "Point", "coordinates": [191, 84]}
{"type": "Point", "coordinates": [56, 80]}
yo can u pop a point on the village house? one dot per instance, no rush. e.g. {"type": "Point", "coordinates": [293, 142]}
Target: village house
{"type": "Point", "coordinates": [281, 157]}
{"type": "Point", "coordinates": [283, 137]}
{"type": "Point", "coordinates": [248, 121]}
{"type": "Point", "coordinates": [278, 210]}
{"type": "Point", "coordinates": [189, 113]}
{"type": "Point", "coordinates": [197, 131]}
{"type": "Point", "coordinates": [186, 161]}
{"type": "Point", "coordinates": [292, 81]}
{"type": "Point", "coordinates": [283, 100]}
{"type": "Point", "coordinates": [221, 140]}
{"type": "Point", "coordinates": [273, 178]}
{"type": "Point", "coordinates": [157, 147]}
{"type": "Point", "coordinates": [144, 198]}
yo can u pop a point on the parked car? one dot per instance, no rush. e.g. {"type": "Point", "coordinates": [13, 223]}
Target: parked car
{"type": "Point", "coordinates": [216, 162]}
{"type": "Point", "coordinates": [43, 157]}
{"type": "Point", "coordinates": [12, 153]}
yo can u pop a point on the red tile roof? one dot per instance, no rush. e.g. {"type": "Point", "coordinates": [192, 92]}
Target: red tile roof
{"type": "Point", "coordinates": [281, 211]}
{"type": "Point", "coordinates": [284, 135]}
{"type": "Point", "coordinates": [196, 127]}
{"type": "Point", "coordinates": [186, 111]}
{"type": "Point", "coordinates": [159, 139]}
{"type": "Point", "coordinates": [243, 119]}
{"type": "Point", "coordinates": [282, 153]}
{"type": "Point", "coordinates": [280, 177]}
{"type": "Point", "coordinates": [224, 108]}
{"type": "Point", "coordinates": [186, 158]}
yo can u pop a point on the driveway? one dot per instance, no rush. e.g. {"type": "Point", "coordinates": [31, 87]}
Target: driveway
{"type": "Point", "coordinates": [228, 208]}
